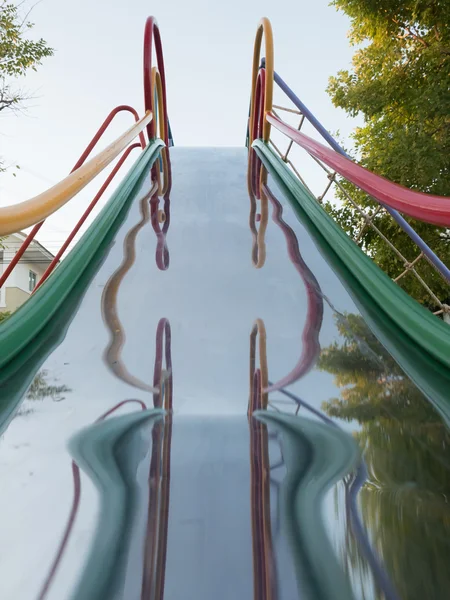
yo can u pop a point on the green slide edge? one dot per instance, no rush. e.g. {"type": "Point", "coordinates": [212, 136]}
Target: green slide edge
{"type": "Point", "coordinates": [428, 332]}
{"type": "Point", "coordinates": [23, 325]}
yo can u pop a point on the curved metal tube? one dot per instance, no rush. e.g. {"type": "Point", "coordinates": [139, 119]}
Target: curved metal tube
{"type": "Point", "coordinates": [152, 33]}
{"type": "Point", "coordinates": [30, 237]}
{"type": "Point", "coordinates": [401, 222]}
{"type": "Point", "coordinates": [425, 207]}
{"type": "Point", "coordinates": [264, 28]}
{"type": "Point", "coordinates": [113, 352]}
{"type": "Point", "coordinates": [20, 216]}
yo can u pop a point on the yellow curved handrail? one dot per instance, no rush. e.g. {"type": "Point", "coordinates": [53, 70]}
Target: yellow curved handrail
{"type": "Point", "coordinates": [265, 28]}
{"type": "Point", "coordinates": [160, 126]}
{"type": "Point", "coordinates": [20, 216]}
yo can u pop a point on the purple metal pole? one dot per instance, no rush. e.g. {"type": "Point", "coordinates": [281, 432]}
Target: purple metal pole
{"type": "Point", "coordinates": [401, 221]}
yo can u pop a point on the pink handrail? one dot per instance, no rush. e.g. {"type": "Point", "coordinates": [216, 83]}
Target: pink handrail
{"type": "Point", "coordinates": [30, 237]}
{"type": "Point", "coordinates": [424, 207]}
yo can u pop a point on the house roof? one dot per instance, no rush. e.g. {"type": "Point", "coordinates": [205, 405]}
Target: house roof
{"type": "Point", "coordinates": [35, 252]}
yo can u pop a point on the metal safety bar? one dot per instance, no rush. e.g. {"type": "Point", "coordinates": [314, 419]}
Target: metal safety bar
{"type": "Point", "coordinates": [155, 121]}
{"type": "Point", "coordinates": [324, 157]}
{"type": "Point", "coordinates": [30, 237]}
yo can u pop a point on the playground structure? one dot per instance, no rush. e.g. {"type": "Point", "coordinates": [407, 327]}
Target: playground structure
{"type": "Point", "coordinates": [278, 467]}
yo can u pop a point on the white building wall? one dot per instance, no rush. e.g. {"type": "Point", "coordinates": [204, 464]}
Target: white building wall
{"type": "Point", "coordinates": [19, 278]}
{"type": "Point", "coordinates": [21, 275]}
{"type": "Point", "coordinates": [2, 292]}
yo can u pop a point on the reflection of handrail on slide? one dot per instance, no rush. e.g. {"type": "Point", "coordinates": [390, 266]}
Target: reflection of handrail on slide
{"type": "Point", "coordinates": [263, 560]}
{"type": "Point", "coordinates": [417, 339]}
{"type": "Point", "coordinates": [83, 445]}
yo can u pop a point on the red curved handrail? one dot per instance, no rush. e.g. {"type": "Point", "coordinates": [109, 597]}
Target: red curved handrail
{"type": "Point", "coordinates": [85, 215]}
{"type": "Point", "coordinates": [256, 176]}
{"type": "Point", "coordinates": [103, 127]}
{"type": "Point", "coordinates": [424, 207]}
{"type": "Point", "coordinates": [152, 33]}
{"type": "Point", "coordinates": [30, 237]}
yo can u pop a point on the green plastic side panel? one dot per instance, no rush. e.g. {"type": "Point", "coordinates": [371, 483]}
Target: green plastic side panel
{"type": "Point", "coordinates": [20, 329]}
{"type": "Point", "coordinates": [374, 293]}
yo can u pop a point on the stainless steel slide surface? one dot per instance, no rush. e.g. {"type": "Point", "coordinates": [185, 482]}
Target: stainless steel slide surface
{"type": "Point", "coordinates": [206, 501]}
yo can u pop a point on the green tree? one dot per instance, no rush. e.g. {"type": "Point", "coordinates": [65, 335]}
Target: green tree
{"type": "Point", "coordinates": [406, 447]}
{"type": "Point", "coordinates": [40, 389]}
{"type": "Point", "coordinates": [399, 85]}
{"type": "Point", "coordinates": [18, 53]}
{"type": "Point", "coordinates": [4, 316]}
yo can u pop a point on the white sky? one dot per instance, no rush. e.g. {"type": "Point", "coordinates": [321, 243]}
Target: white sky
{"type": "Point", "coordinates": [208, 51]}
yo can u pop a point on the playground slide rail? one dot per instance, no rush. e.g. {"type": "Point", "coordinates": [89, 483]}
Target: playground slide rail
{"type": "Point", "coordinates": [305, 113]}
{"type": "Point", "coordinates": [19, 216]}
{"type": "Point", "coordinates": [155, 121]}
{"type": "Point", "coordinates": [424, 207]}
{"type": "Point", "coordinates": [30, 237]}
{"type": "Point", "coordinates": [263, 117]}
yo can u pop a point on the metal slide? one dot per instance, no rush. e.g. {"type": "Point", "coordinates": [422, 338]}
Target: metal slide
{"type": "Point", "coordinates": [187, 490]}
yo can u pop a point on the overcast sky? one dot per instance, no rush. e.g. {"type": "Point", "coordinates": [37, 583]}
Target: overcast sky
{"type": "Point", "coordinates": [208, 51]}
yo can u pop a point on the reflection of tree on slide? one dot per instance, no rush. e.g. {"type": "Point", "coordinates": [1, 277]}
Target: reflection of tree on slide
{"type": "Point", "coordinates": [109, 451]}
{"type": "Point", "coordinates": [405, 501]}
{"type": "Point", "coordinates": [40, 388]}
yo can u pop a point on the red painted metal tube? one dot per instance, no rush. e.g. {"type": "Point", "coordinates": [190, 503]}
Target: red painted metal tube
{"type": "Point", "coordinates": [103, 127]}
{"type": "Point", "coordinates": [424, 207]}
{"type": "Point", "coordinates": [30, 237]}
{"type": "Point", "coordinates": [85, 215]}
{"type": "Point", "coordinates": [258, 121]}
{"type": "Point", "coordinates": [152, 33]}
